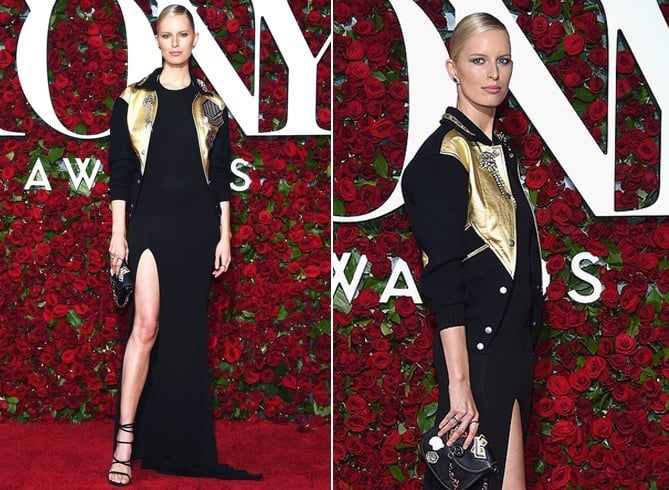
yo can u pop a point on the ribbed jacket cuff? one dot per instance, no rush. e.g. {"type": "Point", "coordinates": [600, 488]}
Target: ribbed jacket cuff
{"type": "Point", "coordinates": [449, 315]}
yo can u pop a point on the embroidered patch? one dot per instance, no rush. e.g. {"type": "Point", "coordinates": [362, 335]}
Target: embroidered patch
{"type": "Point", "coordinates": [213, 112]}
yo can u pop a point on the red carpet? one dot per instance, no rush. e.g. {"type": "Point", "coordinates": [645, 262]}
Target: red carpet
{"type": "Point", "coordinates": [52, 455]}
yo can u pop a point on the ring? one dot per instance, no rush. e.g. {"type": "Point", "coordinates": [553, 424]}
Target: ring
{"type": "Point", "coordinates": [474, 422]}
{"type": "Point", "coordinates": [457, 421]}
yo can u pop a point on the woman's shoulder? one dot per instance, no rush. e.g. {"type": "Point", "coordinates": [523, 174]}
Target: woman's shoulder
{"type": "Point", "coordinates": [208, 91]}
{"type": "Point", "coordinates": [147, 83]}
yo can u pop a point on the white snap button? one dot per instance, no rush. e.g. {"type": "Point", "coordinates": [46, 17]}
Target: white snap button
{"type": "Point", "coordinates": [480, 346]}
{"type": "Point", "coordinates": [488, 330]}
{"type": "Point", "coordinates": [503, 290]}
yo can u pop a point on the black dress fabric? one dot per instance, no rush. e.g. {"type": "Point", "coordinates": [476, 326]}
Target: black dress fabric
{"type": "Point", "coordinates": [500, 372]}
{"type": "Point", "coordinates": [175, 220]}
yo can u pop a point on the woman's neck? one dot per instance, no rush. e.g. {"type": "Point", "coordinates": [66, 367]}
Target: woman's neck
{"type": "Point", "coordinates": [483, 117]}
{"type": "Point", "coordinates": [175, 77]}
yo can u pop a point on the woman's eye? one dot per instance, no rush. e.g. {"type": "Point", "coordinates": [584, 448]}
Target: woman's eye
{"type": "Point", "coordinates": [165, 36]}
{"type": "Point", "coordinates": [183, 34]}
{"type": "Point", "coordinates": [504, 61]}
{"type": "Point", "coordinates": [478, 61]}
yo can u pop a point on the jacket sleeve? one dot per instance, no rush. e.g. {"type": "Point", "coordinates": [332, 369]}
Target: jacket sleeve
{"type": "Point", "coordinates": [219, 161]}
{"type": "Point", "coordinates": [436, 197]}
{"type": "Point", "coordinates": [122, 158]}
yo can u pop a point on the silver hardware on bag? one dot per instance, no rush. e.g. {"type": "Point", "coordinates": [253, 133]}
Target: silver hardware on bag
{"type": "Point", "coordinates": [431, 457]}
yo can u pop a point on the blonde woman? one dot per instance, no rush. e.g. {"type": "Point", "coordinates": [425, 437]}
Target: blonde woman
{"type": "Point", "coordinates": [169, 158]}
{"type": "Point", "coordinates": [476, 231]}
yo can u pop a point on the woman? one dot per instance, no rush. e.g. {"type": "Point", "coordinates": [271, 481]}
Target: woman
{"type": "Point", "coordinates": [482, 274]}
{"type": "Point", "coordinates": [169, 158]}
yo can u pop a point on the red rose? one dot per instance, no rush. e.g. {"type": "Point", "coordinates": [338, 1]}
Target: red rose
{"type": "Point", "coordinates": [574, 44]}
{"type": "Point", "coordinates": [629, 299]}
{"type": "Point", "coordinates": [557, 385]}
{"type": "Point", "coordinates": [358, 69]}
{"type": "Point", "coordinates": [555, 264]}
{"type": "Point", "coordinates": [405, 306]}
{"type": "Point", "coordinates": [597, 56]}
{"type": "Point", "coordinates": [564, 405]}
{"type": "Point", "coordinates": [232, 352]}
{"type": "Point", "coordinates": [597, 110]}
{"type": "Point", "coordinates": [535, 178]}
{"type": "Point", "coordinates": [539, 28]}
{"type": "Point", "coordinates": [599, 457]}
{"type": "Point", "coordinates": [594, 366]}
{"type": "Point", "coordinates": [602, 428]}
{"type": "Point", "coordinates": [625, 62]}
{"type": "Point", "coordinates": [579, 381]}
{"type": "Point", "coordinates": [625, 344]}
{"type": "Point", "coordinates": [560, 212]}
{"type": "Point", "coordinates": [596, 85]}
{"type": "Point", "coordinates": [515, 123]}
{"type": "Point", "coordinates": [545, 408]}
{"type": "Point", "coordinates": [557, 289]}
{"type": "Point", "coordinates": [551, 8]}
{"type": "Point", "coordinates": [564, 431]}
{"type": "Point", "coordinates": [374, 88]}
{"type": "Point", "coordinates": [584, 21]}
{"type": "Point", "coordinates": [648, 151]}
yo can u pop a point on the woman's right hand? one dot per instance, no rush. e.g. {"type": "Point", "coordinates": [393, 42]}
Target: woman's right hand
{"type": "Point", "coordinates": [463, 417]}
{"type": "Point", "coordinates": [118, 250]}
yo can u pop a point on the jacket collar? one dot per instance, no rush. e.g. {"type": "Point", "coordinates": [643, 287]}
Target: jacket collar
{"type": "Point", "coordinates": [151, 82]}
{"type": "Point", "coordinates": [463, 123]}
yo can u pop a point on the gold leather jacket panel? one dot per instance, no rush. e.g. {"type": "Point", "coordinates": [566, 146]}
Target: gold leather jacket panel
{"type": "Point", "coordinates": [491, 210]}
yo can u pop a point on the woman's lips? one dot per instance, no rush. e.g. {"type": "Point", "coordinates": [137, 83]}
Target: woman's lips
{"type": "Point", "coordinates": [492, 89]}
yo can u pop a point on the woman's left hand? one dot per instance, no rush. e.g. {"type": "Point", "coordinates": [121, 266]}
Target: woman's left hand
{"type": "Point", "coordinates": [223, 257]}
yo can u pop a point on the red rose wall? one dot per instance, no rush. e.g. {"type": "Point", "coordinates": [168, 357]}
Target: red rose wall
{"type": "Point", "coordinates": [601, 392]}
{"type": "Point", "coordinates": [269, 325]}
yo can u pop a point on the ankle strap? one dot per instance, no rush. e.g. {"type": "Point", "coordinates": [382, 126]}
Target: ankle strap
{"type": "Point", "coordinates": [127, 427]}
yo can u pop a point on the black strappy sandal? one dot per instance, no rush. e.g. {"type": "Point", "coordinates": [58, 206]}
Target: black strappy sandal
{"type": "Point", "coordinates": [130, 428]}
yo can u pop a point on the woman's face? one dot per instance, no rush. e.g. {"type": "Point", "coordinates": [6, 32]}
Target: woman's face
{"type": "Point", "coordinates": [176, 39]}
{"type": "Point", "coordinates": [483, 69]}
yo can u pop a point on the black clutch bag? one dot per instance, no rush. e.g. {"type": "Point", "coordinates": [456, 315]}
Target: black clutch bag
{"type": "Point", "coordinates": [122, 285]}
{"type": "Point", "coordinates": [455, 467]}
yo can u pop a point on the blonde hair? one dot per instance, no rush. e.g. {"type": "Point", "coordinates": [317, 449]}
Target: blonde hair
{"type": "Point", "coordinates": [471, 25]}
{"type": "Point", "coordinates": [175, 9]}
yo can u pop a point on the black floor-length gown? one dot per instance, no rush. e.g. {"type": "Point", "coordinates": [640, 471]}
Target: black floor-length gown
{"type": "Point", "coordinates": [175, 220]}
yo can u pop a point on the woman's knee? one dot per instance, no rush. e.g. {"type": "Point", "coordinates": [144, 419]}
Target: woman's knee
{"type": "Point", "coordinates": [145, 329]}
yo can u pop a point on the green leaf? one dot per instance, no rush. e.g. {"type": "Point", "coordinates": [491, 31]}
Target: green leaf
{"type": "Point", "coordinates": [337, 207]}
{"type": "Point", "coordinates": [584, 95]}
{"type": "Point", "coordinates": [74, 319]}
{"type": "Point", "coordinates": [319, 328]}
{"type": "Point", "coordinates": [380, 165]}
{"type": "Point", "coordinates": [426, 417]}
{"type": "Point", "coordinates": [558, 55]}
{"type": "Point", "coordinates": [590, 343]}
{"type": "Point", "coordinates": [340, 303]}
{"type": "Point", "coordinates": [397, 473]}
{"type": "Point", "coordinates": [55, 153]}
{"type": "Point", "coordinates": [386, 328]}
{"type": "Point", "coordinates": [283, 314]}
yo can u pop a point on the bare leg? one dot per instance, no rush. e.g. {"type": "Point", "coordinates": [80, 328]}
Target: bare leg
{"type": "Point", "coordinates": [514, 471]}
{"type": "Point", "coordinates": [137, 354]}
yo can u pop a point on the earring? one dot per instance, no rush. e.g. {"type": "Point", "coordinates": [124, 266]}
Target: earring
{"type": "Point", "coordinates": [455, 79]}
